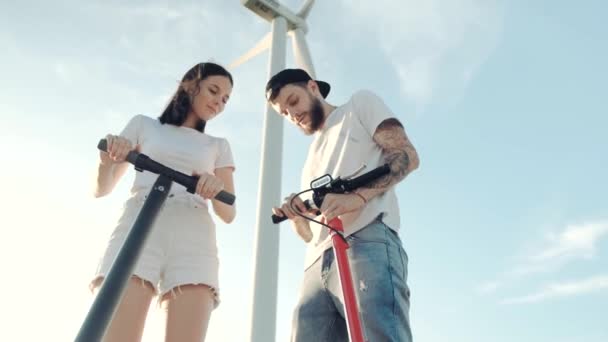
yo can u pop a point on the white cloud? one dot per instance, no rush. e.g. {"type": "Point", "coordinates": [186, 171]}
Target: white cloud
{"type": "Point", "coordinates": [435, 46]}
{"type": "Point", "coordinates": [567, 289]}
{"type": "Point", "coordinates": [160, 11]}
{"type": "Point", "coordinates": [558, 248]}
{"type": "Point", "coordinates": [554, 252]}
{"type": "Point", "coordinates": [576, 241]}
{"type": "Point", "coordinates": [69, 72]}
{"type": "Point", "coordinates": [488, 287]}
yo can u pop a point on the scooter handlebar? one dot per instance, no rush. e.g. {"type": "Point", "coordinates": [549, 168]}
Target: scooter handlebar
{"type": "Point", "coordinates": [143, 162]}
{"type": "Point", "coordinates": [348, 185]}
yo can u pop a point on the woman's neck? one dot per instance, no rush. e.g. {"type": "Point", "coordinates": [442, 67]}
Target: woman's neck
{"type": "Point", "coordinates": [191, 120]}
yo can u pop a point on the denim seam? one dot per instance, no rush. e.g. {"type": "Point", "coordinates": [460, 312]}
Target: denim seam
{"type": "Point", "coordinates": [327, 294]}
{"type": "Point", "coordinates": [326, 291]}
{"type": "Point", "coordinates": [394, 326]}
{"type": "Point", "coordinates": [401, 249]}
{"type": "Point", "coordinates": [401, 254]}
{"type": "Point", "coordinates": [356, 241]}
{"type": "Point", "coordinates": [331, 325]}
{"type": "Point", "coordinates": [325, 279]}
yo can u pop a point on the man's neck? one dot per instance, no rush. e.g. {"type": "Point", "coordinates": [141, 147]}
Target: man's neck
{"type": "Point", "coordinates": [327, 109]}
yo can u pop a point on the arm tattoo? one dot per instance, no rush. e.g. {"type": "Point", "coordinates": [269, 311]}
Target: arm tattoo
{"type": "Point", "coordinates": [399, 162]}
{"type": "Point", "coordinates": [397, 150]}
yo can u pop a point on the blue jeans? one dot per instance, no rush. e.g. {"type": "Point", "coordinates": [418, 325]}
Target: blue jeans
{"type": "Point", "coordinates": [379, 268]}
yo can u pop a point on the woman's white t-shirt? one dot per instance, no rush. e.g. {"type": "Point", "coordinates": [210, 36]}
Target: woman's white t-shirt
{"type": "Point", "coordinates": [180, 148]}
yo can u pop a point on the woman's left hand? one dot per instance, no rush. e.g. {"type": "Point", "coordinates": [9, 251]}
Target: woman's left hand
{"type": "Point", "coordinates": [208, 185]}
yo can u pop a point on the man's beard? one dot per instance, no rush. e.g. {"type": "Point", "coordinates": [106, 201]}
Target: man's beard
{"type": "Point", "coordinates": [316, 116]}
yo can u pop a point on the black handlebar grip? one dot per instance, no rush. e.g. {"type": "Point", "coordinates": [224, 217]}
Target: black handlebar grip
{"type": "Point", "coordinates": [103, 145]}
{"type": "Point", "coordinates": [225, 197]}
{"type": "Point", "coordinates": [278, 219]}
{"type": "Point", "coordinates": [307, 204]}
{"type": "Point", "coordinates": [368, 177]}
{"type": "Point", "coordinates": [188, 181]}
{"type": "Point", "coordinates": [131, 156]}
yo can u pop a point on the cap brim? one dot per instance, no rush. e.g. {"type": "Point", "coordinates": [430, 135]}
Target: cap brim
{"type": "Point", "coordinates": [324, 88]}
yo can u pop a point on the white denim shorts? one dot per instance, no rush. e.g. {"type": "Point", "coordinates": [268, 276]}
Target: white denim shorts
{"type": "Point", "coordinates": [180, 250]}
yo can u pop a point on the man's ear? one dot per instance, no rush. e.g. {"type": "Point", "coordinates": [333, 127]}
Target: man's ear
{"type": "Point", "coordinates": [313, 87]}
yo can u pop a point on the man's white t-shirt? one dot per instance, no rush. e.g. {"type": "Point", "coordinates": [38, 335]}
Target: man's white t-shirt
{"type": "Point", "coordinates": [340, 147]}
{"type": "Point", "coordinates": [181, 148]}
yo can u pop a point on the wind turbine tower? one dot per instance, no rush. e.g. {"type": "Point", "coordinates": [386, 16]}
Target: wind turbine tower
{"type": "Point", "coordinates": [266, 249]}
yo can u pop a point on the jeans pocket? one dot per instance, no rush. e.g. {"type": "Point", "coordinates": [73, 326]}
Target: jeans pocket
{"type": "Point", "coordinates": [373, 232]}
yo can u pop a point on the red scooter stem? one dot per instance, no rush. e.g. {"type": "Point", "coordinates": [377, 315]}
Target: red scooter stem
{"type": "Point", "coordinates": [353, 321]}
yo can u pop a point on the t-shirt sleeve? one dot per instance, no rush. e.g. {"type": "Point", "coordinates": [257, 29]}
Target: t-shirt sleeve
{"type": "Point", "coordinates": [224, 156]}
{"type": "Point", "coordinates": [133, 130]}
{"type": "Point", "coordinates": [371, 110]}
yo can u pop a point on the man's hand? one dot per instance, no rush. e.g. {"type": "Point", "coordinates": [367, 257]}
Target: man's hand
{"type": "Point", "coordinates": [335, 205]}
{"type": "Point", "coordinates": [285, 209]}
{"type": "Point", "coordinates": [300, 225]}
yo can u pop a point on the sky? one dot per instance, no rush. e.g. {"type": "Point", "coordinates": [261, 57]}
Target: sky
{"type": "Point", "coordinates": [505, 222]}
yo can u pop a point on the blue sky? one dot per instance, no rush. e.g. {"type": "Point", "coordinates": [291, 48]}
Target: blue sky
{"type": "Point", "coordinates": [505, 222]}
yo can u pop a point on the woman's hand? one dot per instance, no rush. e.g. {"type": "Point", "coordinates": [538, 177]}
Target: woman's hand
{"type": "Point", "coordinates": [117, 149]}
{"type": "Point", "coordinates": [208, 185]}
{"type": "Point", "coordinates": [111, 163]}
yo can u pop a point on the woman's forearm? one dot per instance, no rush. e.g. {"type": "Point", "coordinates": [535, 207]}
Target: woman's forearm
{"type": "Point", "coordinates": [226, 212]}
{"type": "Point", "coordinates": [108, 175]}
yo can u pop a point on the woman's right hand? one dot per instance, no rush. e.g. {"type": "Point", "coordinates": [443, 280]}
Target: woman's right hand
{"type": "Point", "coordinates": [117, 149]}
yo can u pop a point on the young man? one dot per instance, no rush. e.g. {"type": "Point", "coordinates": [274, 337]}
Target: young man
{"type": "Point", "coordinates": [362, 131]}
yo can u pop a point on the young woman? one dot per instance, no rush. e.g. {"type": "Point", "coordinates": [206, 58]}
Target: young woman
{"type": "Point", "coordinates": [179, 263]}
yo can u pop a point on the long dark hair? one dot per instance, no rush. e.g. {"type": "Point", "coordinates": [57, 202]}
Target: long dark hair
{"type": "Point", "coordinates": [181, 103]}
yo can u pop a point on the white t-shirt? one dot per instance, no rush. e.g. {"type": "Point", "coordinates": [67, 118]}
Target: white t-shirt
{"type": "Point", "coordinates": [180, 148]}
{"type": "Point", "coordinates": [340, 147]}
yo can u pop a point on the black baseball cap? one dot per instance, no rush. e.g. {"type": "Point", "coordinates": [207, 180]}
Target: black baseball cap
{"type": "Point", "coordinates": [288, 76]}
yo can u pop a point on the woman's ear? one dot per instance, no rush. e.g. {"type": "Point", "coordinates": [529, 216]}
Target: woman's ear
{"type": "Point", "coordinates": [192, 88]}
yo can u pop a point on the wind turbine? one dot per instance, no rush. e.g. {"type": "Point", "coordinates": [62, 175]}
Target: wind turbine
{"type": "Point", "coordinates": [266, 250]}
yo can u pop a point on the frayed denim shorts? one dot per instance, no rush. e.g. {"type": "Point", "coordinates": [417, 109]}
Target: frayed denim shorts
{"type": "Point", "coordinates": [180, 250]}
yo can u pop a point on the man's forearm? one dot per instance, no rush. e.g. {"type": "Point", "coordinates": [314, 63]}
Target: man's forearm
{"type": "Point", "coordinates": [399, 154]}
{"type": "Point", "coordinates": [302, 228]}
{"type": "Point", "coordinates": [400, 166]}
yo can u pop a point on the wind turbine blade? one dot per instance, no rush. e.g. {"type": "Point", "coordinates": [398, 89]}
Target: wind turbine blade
{"type": "Point", "coordinates": [301, 52]}
{"type": "Point", "coordinates": [260, 47]}
{"type": "Point", "coordinates": [305, 10]}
